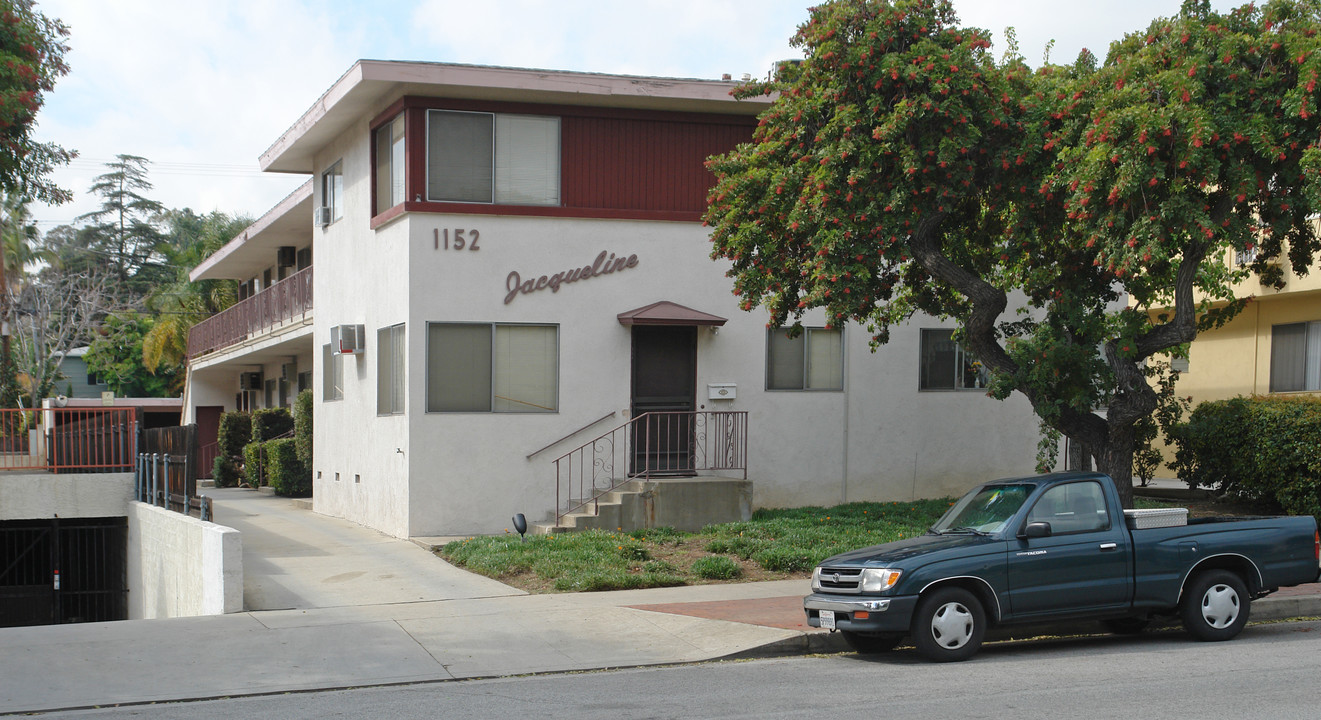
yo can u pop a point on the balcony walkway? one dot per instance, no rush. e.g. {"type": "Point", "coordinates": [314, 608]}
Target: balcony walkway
{"type": "Point", "coordinates": [287, 301]}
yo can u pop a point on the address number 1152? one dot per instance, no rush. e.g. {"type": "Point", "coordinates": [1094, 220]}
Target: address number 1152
{"type": "Point", "coordinates": [447, 239]}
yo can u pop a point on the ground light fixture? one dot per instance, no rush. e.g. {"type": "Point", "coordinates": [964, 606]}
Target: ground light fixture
{"type": "Point", "coordinates": [520, 524]}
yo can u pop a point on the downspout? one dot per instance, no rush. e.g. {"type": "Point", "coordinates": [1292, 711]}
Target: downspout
{"type": "Point", "coordinates": [844, 479]}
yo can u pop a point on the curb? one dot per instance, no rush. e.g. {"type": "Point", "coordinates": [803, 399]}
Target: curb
{"type": "Point", "coordinates": [1269, 609]}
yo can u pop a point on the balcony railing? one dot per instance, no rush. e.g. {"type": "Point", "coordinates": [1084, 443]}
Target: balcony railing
{"type": "Point", "coordinates": [285, 301]}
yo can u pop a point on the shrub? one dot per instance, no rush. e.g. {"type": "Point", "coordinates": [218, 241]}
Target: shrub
{"type": "Point", "coordinates": [271, 423]}
{"type": "Point", "coordinates": [784, 559]}
{"type": "Point", "coordinates": [717, 567]}
{"type": "Point", "coordinates": [1259, 449]}
{"type": "Point", "coordinates": [284, 471]}
{"type": "Point", "coordinates": [225, 471]}
{"type": "Point", "coordinates": [235, 432]}
{"type": "Point", "coordinates": [253, 470]}
{"type": "Point", "coordinates": [303, 427]}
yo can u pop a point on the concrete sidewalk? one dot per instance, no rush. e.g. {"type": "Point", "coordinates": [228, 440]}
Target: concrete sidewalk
{"type": "Point", "coordinates": [352, 633]}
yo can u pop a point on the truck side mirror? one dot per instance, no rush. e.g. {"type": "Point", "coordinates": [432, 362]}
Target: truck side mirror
{"type": "Point", "coordinates": [1038, 529]}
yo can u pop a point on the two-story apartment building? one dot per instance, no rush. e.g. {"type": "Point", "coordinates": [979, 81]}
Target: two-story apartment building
{"type": "Point", "coordinates": [510, 264]}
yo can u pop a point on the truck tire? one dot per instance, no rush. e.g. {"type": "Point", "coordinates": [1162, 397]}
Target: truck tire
{"type": "Point", "coordinates": [1215, 606]}
{"type": "Point", "coordinates": [870, 644]}
{"type": "Point", "coordinates": [948, 625]}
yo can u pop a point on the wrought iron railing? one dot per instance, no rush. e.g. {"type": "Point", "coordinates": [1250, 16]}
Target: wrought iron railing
{"type": "Point", "coordinates": [653, 444]}
{"type": "Point", "coordinates": [168, 468]}
{"type": "Point", "coordinates": [68, 439]}
{"type": "Point", "coordinates": [289, 299]}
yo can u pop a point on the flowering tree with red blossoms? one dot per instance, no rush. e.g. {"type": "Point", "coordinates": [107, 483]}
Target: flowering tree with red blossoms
{"type": "Point", "coordinates": [31, 60]}
{"type": "Point", "coordinates": [902, 169]}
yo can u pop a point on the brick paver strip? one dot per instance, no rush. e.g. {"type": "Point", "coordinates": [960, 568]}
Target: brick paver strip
{"type": "Point", "coordinates": [787, 612]}
{"type": "Point", "coordinates": [780, 612]}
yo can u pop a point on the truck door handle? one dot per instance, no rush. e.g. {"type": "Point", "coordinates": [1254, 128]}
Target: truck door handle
{"type": "Point", "coordinates": [1108, 546]}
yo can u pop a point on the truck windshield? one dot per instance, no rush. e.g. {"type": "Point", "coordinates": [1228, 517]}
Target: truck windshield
{"type": "Point", "coordinates": [984, 510]}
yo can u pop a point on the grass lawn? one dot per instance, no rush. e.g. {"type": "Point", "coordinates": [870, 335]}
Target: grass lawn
{"type": "Point", "coordinates": [774, 544]}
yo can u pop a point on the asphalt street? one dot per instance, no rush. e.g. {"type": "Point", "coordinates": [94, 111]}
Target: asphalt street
{"type": "Point", "coordinates": [1270, 671]}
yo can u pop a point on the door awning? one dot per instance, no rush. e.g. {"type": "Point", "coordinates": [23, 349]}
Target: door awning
{"type": "Point", "coordinates": [668, 313]}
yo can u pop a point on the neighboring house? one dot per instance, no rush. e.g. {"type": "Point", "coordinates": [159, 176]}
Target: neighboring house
{"type": "Point", "coordinates": [509, 264]}
{"type": "Point", "coordinates": [1273, 347]}
{"type": "Point", "coordinates": [76, 381]}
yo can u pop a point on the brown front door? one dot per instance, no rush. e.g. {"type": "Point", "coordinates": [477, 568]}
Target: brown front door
{"type": "Point", "coordinates": [208, 435]}
{"type": "Point", "coordinates": [664, 384]}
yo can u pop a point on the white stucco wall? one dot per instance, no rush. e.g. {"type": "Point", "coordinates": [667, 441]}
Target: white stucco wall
{"type": "Point", "coordinates": [438, 474]}
{"type": "Point", "coordinates": [361, 467]}
{"type": "Point", "coordinates": [46, 495]}
{"type": "Point", "coordinates": [179, 566]}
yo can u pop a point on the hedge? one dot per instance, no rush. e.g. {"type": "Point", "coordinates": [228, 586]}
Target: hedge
{"type": "Point", "coordinates": [303, 428]}
{"type": "Point", "coordinates": [235, 432]}
{"type": "Point", "coordinates": [1259, 448]}
{"type": "Point", "coordinates": [284, 471]}
{"type": "Point", "coordinates": [271, 423]}
{"type": "Point", "coordinates": [253, 468]}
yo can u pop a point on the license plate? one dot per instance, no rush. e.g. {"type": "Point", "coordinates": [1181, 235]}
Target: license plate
{"type": "Point", "coordinates": [828, 619]}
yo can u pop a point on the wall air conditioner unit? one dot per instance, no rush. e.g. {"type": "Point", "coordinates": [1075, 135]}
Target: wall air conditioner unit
{"type": "Point", "coordinates": [348, 339]}
{"type": "Point", "coordinates": [286, 256]}
{"type": "Point", "coordinates": [321, 216]}
{"type": "Point", "coordinates": [250, 381]}
{"type": "Point", "coordinates": [288, 371]}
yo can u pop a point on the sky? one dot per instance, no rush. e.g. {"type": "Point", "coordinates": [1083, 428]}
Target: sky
{"type": "Point", "coordinates": [202, 87]}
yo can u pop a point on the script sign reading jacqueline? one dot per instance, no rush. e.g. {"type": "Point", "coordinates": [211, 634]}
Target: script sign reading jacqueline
{"type": "Point", "coordinates": [603, 265]}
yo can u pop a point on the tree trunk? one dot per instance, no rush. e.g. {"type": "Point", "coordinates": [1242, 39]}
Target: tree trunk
{"type": "Point", "coordinates": [1115, 459]}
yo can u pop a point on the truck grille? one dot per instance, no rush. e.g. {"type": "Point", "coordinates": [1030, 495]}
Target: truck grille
{"type": "Point", "coordinates": [840, 579]}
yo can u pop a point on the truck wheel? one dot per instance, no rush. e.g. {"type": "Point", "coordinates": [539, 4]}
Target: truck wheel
{"type": "Point", "coordinates": [948, 625]}
{"type": "Point", "coordinates": [869, 644]}
{"type": "Point", "coordinates": [1215, 606]}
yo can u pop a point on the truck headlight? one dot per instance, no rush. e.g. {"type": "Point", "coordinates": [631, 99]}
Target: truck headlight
{"type": "Point", "coordinates": [876, 580]}
{"type": "Point", "coordinates": [816, 578]}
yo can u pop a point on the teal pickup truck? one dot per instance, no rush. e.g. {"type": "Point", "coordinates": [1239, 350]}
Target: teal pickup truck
{"type": "Point", "coordinates": [1052, 548]}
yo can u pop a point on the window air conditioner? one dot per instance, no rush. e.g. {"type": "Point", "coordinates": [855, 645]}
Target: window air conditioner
{"type": "Point", "coordinates": [348, 339]}
{"type": "Point", "coordinates": [250, 381]}
{"type": "Point", "coordinates": [321, 216]}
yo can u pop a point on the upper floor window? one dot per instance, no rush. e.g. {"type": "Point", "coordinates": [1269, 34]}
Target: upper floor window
{"type": "Point", "coordinates": [332, 190]}
{"type": "Point", "coordinates": [946, 365]}
{"type": "Point", "coordinates": [1296, 357]}
{"type": "Point", "coordinates": [390, 164]}
{"type": "Point", "coordinates": [493, 158]}
{"type": "Point", "coordinates": [812, 361]}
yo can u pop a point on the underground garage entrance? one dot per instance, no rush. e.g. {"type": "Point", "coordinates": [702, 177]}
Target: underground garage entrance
{"type": "Point", "coordinates": [63, 571]}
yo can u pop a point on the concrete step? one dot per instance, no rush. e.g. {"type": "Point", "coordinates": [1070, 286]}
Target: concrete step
{"type": "Point", "coordinates": [686, 504]}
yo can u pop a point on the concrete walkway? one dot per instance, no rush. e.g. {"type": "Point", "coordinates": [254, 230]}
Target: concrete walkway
{"type": "Point", "coordinates": [429, 622]}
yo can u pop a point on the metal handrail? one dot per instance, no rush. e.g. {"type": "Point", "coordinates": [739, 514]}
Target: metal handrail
{"type": "Point", "coordinates": [550, 445]}
{"type": "Point", "coordinates": [663, 443]}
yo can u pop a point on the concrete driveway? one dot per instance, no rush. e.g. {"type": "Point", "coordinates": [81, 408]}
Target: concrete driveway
{"type": "Point", "coordinates": [297, 559]}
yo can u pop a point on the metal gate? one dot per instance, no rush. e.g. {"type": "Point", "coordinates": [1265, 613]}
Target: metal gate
{"type": "Point", "coordinates": [63, 571]}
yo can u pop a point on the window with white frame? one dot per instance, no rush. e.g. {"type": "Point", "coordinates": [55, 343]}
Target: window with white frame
{"type": "Point", "coordinates": [390, 370]}
{"type": "Point", "coordinates": [1296, 357]}
{"type": "Point", "coordinates": [332, 374]}
{"type": "Point", "coordinates": [390, 164]}
{"type": "Point", "coordinates": [493, 158]}
{"type": "Point", "coordinates": [812, 361]}
{"type": "Point", "coordinates": [332, 190]}
{"type": "Point", "coordinates": [483, 367]}
{"type": "Point", "coordinates": [945, 365]}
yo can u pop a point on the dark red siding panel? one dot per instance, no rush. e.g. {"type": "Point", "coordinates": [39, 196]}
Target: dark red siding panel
{"type": "Point", "coordinates": [646, 165]}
